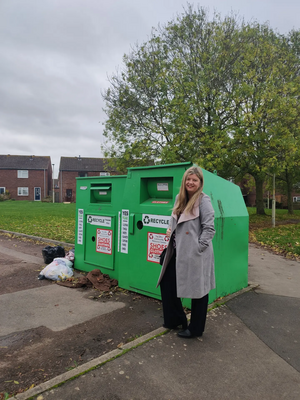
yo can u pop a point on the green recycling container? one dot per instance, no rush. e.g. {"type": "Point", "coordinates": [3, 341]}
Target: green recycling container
{"type": "Point", "coordinates": [98, 201]}
{"type": "Point", "coordinates": [122, 220]}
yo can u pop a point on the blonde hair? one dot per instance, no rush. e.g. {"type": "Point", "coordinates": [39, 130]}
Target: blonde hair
{"type": "Point", "coordinates": [183, 202]}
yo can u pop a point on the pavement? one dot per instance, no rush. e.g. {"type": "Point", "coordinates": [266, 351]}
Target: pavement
{"type": "Point", "coordinates": [250, 348]}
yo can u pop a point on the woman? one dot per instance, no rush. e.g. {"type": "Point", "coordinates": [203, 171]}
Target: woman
{"type": "Point", "coordinates": [188, 267]}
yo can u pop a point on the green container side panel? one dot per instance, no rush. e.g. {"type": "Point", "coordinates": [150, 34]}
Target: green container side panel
{"type": "Point", "coordinates": [231, 255]}
{"type": "Point", "coordinates": [122, 220]}
{"type": "Point", "coordinates": [226, 197]}
{"type": "Point", "coordinates": [98, 202]}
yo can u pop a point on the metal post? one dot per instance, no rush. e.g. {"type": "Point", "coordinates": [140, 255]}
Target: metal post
{"type": "Point", "coordinates": [273, 203]}
{"type": "Point", "coordinates": [53, 182]}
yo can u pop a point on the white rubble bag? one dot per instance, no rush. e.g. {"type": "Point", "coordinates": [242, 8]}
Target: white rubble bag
{"type": "Point", "coordinates": [58, 270]}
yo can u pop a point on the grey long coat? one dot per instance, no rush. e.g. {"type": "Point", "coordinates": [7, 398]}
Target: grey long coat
{"type": "Point", "coordinates": [194, 251]}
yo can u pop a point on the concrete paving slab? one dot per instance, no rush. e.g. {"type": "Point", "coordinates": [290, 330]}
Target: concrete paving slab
{"type": "Point", "coordinates": [21, 256]}
{"type": "Point", "coordinates": [229, 362]}
{"type": "Point", "coordinates": [274, 319]}
{"type": "Point", "coordinates": [275, 274]}
{"type": "Point", "coordinates": [10, 265]}
{"type": "Point", "coordinates": [53, 306]}
{"type": "Point", "coordinates": [251, 355]}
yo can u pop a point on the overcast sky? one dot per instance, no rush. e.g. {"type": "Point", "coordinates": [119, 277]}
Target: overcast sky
{"type": "Point", "coordinates": [56, 55]}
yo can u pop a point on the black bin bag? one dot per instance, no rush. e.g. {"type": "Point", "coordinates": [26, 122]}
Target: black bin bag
{"type": "Point", "coordinates": [49, 253]}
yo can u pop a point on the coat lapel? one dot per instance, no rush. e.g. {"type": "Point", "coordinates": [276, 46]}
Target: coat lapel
{"type": "Point", "coordinates": [189, 216]}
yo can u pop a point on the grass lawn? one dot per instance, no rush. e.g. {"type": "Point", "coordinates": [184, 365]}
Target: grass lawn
{"type": "Point", "coordinates": [48, 220]}
{"type": "Point", "coordinates": [284, 238]}
{"type": "Point", "coordinates": [266, 220]}
{"type": "Point", "coordinates": [57, 221]}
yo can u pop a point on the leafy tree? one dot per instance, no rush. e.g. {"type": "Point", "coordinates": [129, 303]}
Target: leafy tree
{"type": "Point", "coordinates": [288, 123]}
{"type": "Point", "coordinates": [262, 136]}
{"type": "Point", "coordinates": [210, 91]}
{"type": "Point", "coordinates": [172, 101]}
{"type": "Point", "coordinates": [285, 117]}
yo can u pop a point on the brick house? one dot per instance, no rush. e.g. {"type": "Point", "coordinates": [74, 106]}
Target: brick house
{"type": "Point", "coordinates": [72, 167]}
{"type": "Point", "coordinates": [25, 177]}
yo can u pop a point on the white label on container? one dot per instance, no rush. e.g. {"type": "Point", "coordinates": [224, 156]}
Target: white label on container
{"type": "Point", "coordinates": [155, 244]}
{"type": "Point", "coordinates": [104, 241]}
{"type": "Point", "coordinates": [80, 226]}
{"type": "Point", "coordinates": [124, 231]}
{"type": "Point", "coordinates": [162, 187]}
{"type": "Point", "coordinates": [103, 193]}
{"type": "Point", "coordinates": [156, 221]}
{"type": "Point", "coordinates": [83, 187]}
{"type": "Point", "coordinates": [119, 229]}
{"type": "Point", "coordinates": [99, 220]}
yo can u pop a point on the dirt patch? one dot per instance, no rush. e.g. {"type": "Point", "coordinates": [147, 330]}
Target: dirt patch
{"type": "Point", "coordinates": [37, 355]}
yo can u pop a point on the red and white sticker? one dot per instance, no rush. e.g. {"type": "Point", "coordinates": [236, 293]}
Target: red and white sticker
{"type": "Point", "coordinates": [104, 241]}
{"type": "Point", "coordinates": [155, 244]}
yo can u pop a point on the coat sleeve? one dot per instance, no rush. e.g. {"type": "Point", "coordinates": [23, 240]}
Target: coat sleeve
{"type": "Point", "coordinates": [207, 218]}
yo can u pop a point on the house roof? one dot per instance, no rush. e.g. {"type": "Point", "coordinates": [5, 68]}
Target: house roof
{"type": "Point", "coordinates": [83, 164]}
{"type": "Point", "coordinates": [8, 161]}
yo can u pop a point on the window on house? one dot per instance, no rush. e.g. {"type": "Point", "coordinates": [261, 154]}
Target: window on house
{"type": "Point", "coordinates": [69, 192]}
{"type": "Point", "coordinates": [22, 173]}
{"type": "Point", "coordinates": [104, 173]}
{"type": "Point", "coordinates": [296, 199]}
{"type": "Point", "coordinates": [82, 174]}
{"type": "Point", "coordinates": [2, 190]}
{"type": "Point", "coordinates": [23, 191]}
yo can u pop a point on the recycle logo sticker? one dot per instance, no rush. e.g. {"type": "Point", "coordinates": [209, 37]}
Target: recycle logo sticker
{"type": "Point", "coordinates": [90, 219]}
{"type": "Point", "coordinates": [156, 221]}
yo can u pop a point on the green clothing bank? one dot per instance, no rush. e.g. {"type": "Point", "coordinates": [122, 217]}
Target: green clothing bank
{"type": "Point", "coordinates": [121, 223]}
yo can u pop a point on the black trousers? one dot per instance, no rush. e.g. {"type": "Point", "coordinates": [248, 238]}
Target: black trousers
{"type": "Point", "coordinates": [173, 312]}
